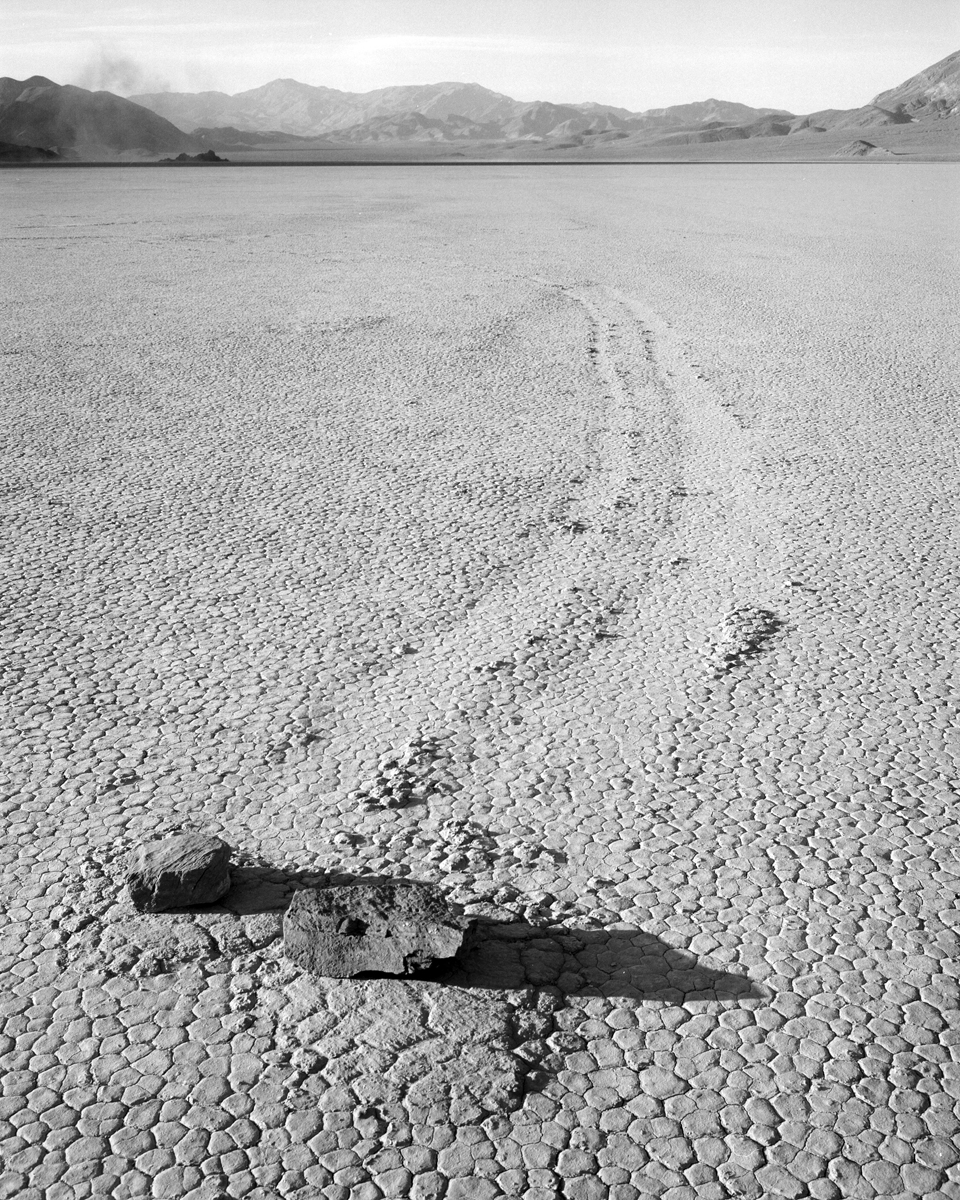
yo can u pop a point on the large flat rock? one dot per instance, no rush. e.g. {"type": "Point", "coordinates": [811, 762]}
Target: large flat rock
{"type": "Point", "coordinates": [178, 872]}
{"type": "Point", "coordinates": [392, 928]}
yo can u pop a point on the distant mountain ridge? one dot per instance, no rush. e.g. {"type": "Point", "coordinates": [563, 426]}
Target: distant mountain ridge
{"type": "Point", "coordinates": [706, 111]}
{"type": "Point", "coordinates": [461, 111]}
{"type": "Point", "coordinates": [226, 137]}
{"type": "Point", "coordinates": [415, 127]}
{"type": "Point", "coordinates": [285, 113]}
{"type": "Point", "coordinates": [287, 106]}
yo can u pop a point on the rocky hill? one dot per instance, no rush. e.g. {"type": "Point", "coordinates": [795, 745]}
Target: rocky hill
{"type": "Point", "coordinates": [932, 93]}
{"type": "Point", "coordinates": [40, 113]}
{"type": "Point", "coordinates": [861, 149]}
{"type": "Point", "coordinates": [540, 120]}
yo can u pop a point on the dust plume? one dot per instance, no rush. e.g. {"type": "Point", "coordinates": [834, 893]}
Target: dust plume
{"type": "Point", "coordinates": [111, 71]}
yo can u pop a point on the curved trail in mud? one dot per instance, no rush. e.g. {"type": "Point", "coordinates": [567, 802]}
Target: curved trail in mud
{"type": "Point", "coordinates": [617, 628]}
{"type": "Point", "coordinates": [663, 534]}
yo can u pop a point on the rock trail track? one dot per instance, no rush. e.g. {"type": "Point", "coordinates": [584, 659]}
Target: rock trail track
{"type": "Point", "coordinates": [582, 539]}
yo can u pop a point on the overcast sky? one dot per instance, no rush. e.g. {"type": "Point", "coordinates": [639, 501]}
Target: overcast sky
{"type": "Point", "coordinates": [801, 55]}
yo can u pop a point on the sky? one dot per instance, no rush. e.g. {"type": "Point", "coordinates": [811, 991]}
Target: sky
{"type": "Point", "coordinates": [800, 55]}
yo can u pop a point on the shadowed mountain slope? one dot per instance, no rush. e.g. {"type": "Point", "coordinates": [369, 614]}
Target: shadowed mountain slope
{"type": "Point", "coordinates": [11, 152]}
{"type": "Point", "coordinates": [38, 112]}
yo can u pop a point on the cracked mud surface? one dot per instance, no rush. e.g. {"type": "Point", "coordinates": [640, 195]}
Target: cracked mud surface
{"type": "Point", "coordinates": [581, 540]}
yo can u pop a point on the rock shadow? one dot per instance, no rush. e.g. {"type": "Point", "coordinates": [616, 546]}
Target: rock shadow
{"type": "Point", "coordinates": [261, 888]}
{"type": "Point", "coordinates": [627, 963]}
{"type": "Point", "coordinates": [265, 889]}
{"type": "Point", "coordinates": [507, 955]}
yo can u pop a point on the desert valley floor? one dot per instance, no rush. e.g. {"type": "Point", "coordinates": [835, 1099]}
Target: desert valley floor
{"type": "Point", "coordinates": [621, 503]}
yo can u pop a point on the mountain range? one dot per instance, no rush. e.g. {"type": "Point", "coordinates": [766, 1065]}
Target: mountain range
{"type": "Point", "coordinates": [286, 114]}
{"type": "Point", "coordinates": [454, 110]}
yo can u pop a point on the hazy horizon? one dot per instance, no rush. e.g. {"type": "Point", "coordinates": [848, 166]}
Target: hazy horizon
{"type": "Point", "coordinates": [632, 53]}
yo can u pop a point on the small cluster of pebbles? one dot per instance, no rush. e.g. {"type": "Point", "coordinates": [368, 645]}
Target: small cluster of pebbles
{"type": "Point", "coordinates": [401, 779]}
{"type": "Point", "coordinates": [743, 634]}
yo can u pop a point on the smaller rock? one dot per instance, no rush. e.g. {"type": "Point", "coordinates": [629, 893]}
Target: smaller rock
{"type": "Point", "coordinates": [394, 928]}
{"type": "Point", "coordinates": [177, 872]}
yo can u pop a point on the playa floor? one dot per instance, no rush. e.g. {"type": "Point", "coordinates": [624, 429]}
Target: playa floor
{"type": "Point", "coordinates": [626, 498]}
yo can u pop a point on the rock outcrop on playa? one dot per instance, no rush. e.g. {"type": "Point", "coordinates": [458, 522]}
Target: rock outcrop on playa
{"type": "Point", "coordinates": [206, 156]}
{"type": "Point", "coordinates": [39, 112]}
{"type": "Point", "coordinates": [861, 149]}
